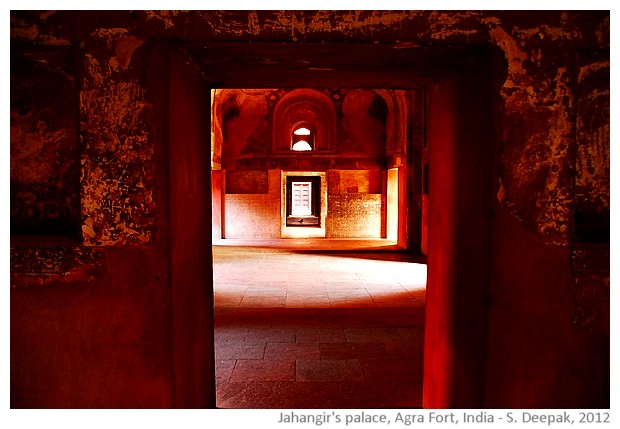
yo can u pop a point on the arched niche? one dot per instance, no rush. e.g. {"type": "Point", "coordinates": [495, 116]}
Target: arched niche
{"type": "Point", "coordinates": [310, 108]}
{"type": "Point", "coordinates": [396, 124]}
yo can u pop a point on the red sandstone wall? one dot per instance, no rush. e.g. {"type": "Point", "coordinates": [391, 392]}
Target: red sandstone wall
{"type": "Point", "coordinates": [355, 204]}
{"type": "Point", "coordinates": [216, 204]}
{"type": "Point", "coordinates": [455, 349]}
{"type": "Point", "coordinates": [89, 335]}
{"type": "Point", "coordinates": [550, 124]}
{"type": "Point", "coordinates": [354, 216]}
{"type": "Point", "coordinates": [191, 279]}
{"type": "Point", "coordinates": [252, 216]}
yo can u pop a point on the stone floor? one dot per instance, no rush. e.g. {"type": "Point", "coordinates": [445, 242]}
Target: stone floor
{"type": "Point", "coordinates": [318, 323]}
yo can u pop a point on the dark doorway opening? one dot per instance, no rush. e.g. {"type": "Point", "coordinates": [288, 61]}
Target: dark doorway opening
{"type": "Point", "coordinates": [303, 201]}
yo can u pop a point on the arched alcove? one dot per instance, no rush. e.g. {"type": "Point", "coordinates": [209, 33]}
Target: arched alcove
{"type": "Point", "coordinates": [304, 106]}
{"type": "Point", "coordinates": [396, 120]}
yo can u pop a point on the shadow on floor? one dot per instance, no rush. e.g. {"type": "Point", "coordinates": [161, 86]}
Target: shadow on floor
{"type": "Point", "coordinates": [319, 358]}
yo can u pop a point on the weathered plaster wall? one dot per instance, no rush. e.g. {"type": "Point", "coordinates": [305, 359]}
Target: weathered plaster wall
{"type": "Point", "coordinates": [550, 185]}
{"type": "Point", "coordinates": [592, 185]}
{"type": "Point", "coordinates": [117, 201]}
{"type": "Point", "coordinates": [90, 323]}
{"type": "Point", "coordinates": [44, 155]}
{"type": "Point", "coordinates": [538, 86]}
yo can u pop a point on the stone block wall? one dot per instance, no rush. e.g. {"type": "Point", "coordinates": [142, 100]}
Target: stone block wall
{"type": "Point", "coordinates": [252, 216]}
{"type": "Point", "coordinates": [354, 216]}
